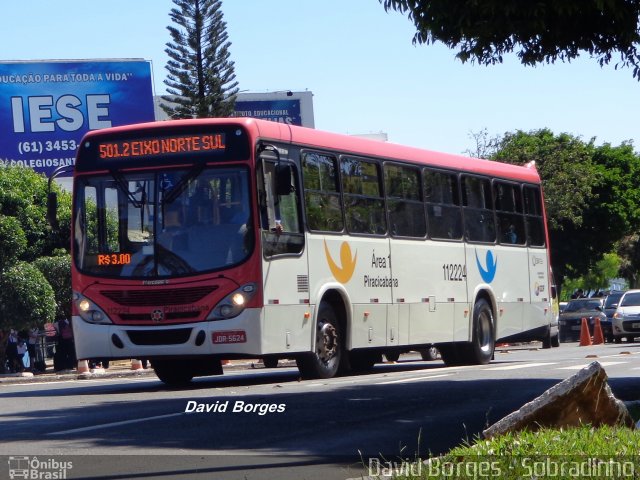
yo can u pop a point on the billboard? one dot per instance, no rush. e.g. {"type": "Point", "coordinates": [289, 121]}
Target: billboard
{"type": "Point", "coordinates": [283, 111]}
{"type": "Point", "coordinates": [47, 106]}
{"type": "Point", "coordinates": [292, 108]}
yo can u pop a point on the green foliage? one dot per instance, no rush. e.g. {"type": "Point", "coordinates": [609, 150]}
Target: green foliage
{"type": "Point", "coordinates": [57, 271]}
{"type": "Point", "coordinates": [591, 199]}
{"type": "Point", "coordinates": [26, 298]}
{"type": "Point", "coordinates": [569, 176]}
{"type": "Point", "coordinates": [23, 195]}
{"type": "Point", "coordinates": [539, 32]}
{"type": "Point", "coordinates": [598, 453]}
{"type": "Point", "coordinates": [596, 278]}
{"type": "Point", "coordinates": [201, 79]}
{"type": "Point", "coordinates": [13, 241]}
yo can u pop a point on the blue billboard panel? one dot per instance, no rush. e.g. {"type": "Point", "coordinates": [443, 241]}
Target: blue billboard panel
{"type": "Point", "coordinates": [283, 111]}
{"type": "Point", "coordinates": [47, 106]}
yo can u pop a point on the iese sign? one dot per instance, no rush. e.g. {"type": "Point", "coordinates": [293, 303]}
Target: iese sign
{"type": "Point", "coordinates": [46, 107]}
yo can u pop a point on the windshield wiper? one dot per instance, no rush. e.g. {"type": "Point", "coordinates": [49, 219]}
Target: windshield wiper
{"type": "Point", "coordinates": [182, 184]}
{"type": "Point", "coordinates": [122, 185]}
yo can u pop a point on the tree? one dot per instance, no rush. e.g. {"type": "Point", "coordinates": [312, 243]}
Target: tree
{"type": "Point", "coordinates": [57, 271]}
{"type": "Point", "coordinates": [201, 80]}
{"type": "Point", "coordinates": [569, 177]}
{"type": "Point", "coordinates": [13, 242]}
{"type": "Point", "coordinates": [23, 196]}
{"type": "Point", "coordinates": [541, 31]}
{"type": "Point", "coordinates": [26, 298]}
{"type": "Point", "coordinates": [591, 197]}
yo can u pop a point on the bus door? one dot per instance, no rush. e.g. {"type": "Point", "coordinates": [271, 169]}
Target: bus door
{"type": "Point", "coordinates": [287, 318]}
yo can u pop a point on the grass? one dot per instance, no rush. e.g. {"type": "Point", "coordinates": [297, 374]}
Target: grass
{"type": "Point", "coordinates": [582, 452]}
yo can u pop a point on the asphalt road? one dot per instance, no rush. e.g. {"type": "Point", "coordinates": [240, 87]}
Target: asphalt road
{"type": "Point", "coordinates": [137, 428]}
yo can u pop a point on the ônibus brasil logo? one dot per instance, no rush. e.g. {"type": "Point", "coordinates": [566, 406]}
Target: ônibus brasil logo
{"type": "Point", "coordinates": [344, 271]}
{"type": "Point", "coordinates": [487, 273]}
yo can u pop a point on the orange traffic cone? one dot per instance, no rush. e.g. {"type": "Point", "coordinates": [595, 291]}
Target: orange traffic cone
{"type": "Point", "coordinates": [136, 364]}
{"type": "Point", "coordinates": [598, 337]}
{"type": "Point", "coordinates": [83, 367]}
{"type": "Point", "coordinates": [585, 336]}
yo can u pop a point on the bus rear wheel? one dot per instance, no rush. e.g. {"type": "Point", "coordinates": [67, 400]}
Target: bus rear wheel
{"type": "Point", "coordinates": [481, 348]}
{"type": "Point", "coordinates": [324, 362]}
{"type": "Point", "coordinates": [480, 351]}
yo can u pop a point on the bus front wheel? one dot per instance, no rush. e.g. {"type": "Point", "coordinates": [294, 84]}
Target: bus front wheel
{"type": "Point", "coordinates": [325, 360]}
{"type": "Point", "coordinates": [174, 373]}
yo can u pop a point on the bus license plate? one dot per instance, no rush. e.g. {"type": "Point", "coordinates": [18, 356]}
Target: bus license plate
{"type": "Point", "coordinates": [232, 336]}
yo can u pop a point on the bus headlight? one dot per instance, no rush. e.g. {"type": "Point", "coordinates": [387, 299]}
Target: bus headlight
{"type": "Point", "coordinates": [233, 304]}
{"type": "Point", "coordinates": [89, 311]}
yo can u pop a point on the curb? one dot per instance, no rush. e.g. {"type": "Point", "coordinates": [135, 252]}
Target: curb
{"type": "Point", "coordinates": [100, 373]}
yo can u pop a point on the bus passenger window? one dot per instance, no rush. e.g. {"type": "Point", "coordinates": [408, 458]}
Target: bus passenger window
{"type": "Point", "coordinates": [404, 201]}
{"type": "Point", "coordinates": [322, 192]}
{"type": "Point", "coordinates": [508, 201]}
{"type": "Point", "coordinates": [444, 215]}
{"type": "Point", "coordinates": [363, 203]}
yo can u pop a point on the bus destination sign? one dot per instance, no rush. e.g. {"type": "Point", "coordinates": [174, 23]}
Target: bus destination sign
{"type": "Point", "coordinates": [158, 147]}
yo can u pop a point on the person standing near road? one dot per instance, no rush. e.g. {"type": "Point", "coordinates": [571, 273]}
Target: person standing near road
{"type": "Point", "coordinates": [32, 341]}
{"type": "Point", "coordinates": [66, 347]}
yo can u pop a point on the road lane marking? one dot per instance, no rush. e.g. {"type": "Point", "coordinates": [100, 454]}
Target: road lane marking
{"type": "Point", "coordinates": [415, 379]}
{"type": "Point", "coordinates": [579, 367]}
{"type": "Point", "coordinates": [115, 424]}
{"type": "Point", "coordinates": [519, 366]}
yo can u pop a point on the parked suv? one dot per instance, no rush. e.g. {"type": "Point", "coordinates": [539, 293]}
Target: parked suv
{"type": "Point", "coordinates": [610, 305]}
{"type": "Point", "coordinates": [571, 317]}
{"type": "Point", "coordinates": [626, 319]}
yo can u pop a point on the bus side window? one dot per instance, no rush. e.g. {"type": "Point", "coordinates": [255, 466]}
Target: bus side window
{"type": "Point", "coordinates": [404, 201]}
{"type": "Point", "coordinates": [322, 192]}
{"type": "Point", "coordinates": [444, 214]}
{"type": "Point", "coordinates": [280, 214]}
{"type": "Point", "coordinates": [363, 202]}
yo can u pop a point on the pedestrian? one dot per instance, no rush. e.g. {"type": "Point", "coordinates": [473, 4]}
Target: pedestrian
{"type": "Point", "coordinates": [12, 351]}
{"type": "Point", "coordinates": [31, 347]}
{"type": "Point", "coordinates": [66, 349]}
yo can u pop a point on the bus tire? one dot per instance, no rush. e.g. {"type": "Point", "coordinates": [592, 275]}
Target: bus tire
{"type": "Point", "coordinates": [480, 350]}
{"type": "Point", "coordinates": [363, 360]}
{"type": "Point", "coordinates": [270, 361]}
{"type": "Point", "coordinates": [392, 356]}
{"type": "Point", "coordinates": [324, 362]}
{"type": "Point", "coordinates": [429, 354]}
{"type": "Point", "coordinates": [174, 373]}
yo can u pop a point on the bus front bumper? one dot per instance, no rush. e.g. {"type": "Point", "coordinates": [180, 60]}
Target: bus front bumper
{"type": "Point", "coordinates": [237, 337]}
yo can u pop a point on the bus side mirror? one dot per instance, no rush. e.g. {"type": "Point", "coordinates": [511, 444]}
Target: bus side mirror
{"type": "Point", "coordinates": [283, 179]}
{"type": "Point", "coordinates": [52, 210]}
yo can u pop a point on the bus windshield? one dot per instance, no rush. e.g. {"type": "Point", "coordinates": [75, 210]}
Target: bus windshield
{"type": "Point", "coordinates": [162, 223]}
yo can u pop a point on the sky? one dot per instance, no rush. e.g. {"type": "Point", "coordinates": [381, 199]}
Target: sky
{"type": "Point", "coordinates": [359, 62]}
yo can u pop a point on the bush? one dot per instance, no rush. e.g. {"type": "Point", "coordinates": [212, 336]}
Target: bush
{"type": "Point", "coordinates": [13, 241]}
{"type": "Point", "coordinates": [26, 298]}
{"type": "Point", "coordinates": [57, 271]}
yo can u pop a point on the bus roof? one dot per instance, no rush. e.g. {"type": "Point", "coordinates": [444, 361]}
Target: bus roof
{"type": "Point", "coordinates": [311, 138]}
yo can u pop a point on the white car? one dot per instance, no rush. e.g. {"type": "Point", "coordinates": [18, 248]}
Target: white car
{"type": "Point", "coordinates": [626, 320]}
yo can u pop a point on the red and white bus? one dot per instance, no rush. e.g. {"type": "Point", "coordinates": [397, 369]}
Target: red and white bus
{"type": "Point", "coordinates": [201, 240]}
